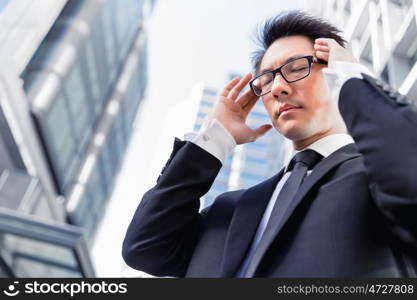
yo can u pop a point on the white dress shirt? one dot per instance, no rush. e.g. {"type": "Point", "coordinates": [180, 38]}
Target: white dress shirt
{"type": "Point", "coordinates": [216, 140]}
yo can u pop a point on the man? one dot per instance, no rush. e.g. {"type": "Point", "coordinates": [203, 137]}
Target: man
{"type": "Point", "coordinates": [346, 204]}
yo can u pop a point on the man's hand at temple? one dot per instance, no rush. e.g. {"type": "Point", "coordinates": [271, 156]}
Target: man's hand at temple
{"type": "Point", "coordinates": [231, 111]}
{"type": "Point", "coordinates": [329, 50]}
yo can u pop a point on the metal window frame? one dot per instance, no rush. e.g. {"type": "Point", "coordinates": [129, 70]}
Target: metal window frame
{"type": "Point", "coordinates": [54, 233]}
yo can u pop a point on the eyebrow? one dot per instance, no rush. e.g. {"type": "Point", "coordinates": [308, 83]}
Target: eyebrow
{"type": "Point", "coordinates": [287, 60]}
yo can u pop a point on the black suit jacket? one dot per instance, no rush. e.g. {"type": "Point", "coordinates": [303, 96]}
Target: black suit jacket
{"type": "Point", "coordinates": [355, 215]}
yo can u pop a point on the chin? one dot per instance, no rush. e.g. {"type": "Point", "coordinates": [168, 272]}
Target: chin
{"type": "Point", "coordinates": [293, 131]}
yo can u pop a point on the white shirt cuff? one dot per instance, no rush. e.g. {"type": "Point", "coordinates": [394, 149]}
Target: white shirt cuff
{"type": "Point", "coordinates": [340, 73]}
{"type": "Point", "coordinates": [213, 138]}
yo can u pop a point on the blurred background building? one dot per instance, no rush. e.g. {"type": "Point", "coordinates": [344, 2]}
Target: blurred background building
{"type": "Point", "coordinates": [72, 76]}
{"type": "Point", "coordinates": [383, 35]}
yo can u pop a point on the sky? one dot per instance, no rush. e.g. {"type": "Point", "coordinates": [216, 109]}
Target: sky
{"type": "Point", "coordinates": [191, 43]}
{"type": "Point", "coordinates": [3, 4]}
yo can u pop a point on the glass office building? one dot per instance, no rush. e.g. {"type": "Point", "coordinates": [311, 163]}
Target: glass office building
{"type": "Point", "coordinates": [68, 102]}
{"type": "Point", "coordinates": [35, 240]}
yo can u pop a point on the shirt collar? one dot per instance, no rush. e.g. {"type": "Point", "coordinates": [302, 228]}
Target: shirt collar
{"type": "Point", "coordinates": [327, 145]}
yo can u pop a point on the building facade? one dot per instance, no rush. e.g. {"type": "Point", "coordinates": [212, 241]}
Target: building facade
{"type": "Point", "coordinates": [382, 35]}
{"type": "Point", "coordinates": [74, 78]}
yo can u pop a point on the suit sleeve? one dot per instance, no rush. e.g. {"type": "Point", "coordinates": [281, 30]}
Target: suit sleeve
{"type": "Point", "coordinates": [383, 124]}
{"type": "Point", "coordinates": [165, 228]}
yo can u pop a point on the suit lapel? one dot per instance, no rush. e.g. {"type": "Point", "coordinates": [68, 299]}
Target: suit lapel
{"type": "Point", "coordinates": [322, 168]}
{"type": "Point", "coordinates": [246, 217]}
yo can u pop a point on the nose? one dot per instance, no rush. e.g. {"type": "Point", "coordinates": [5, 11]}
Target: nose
{"type": "Point", "coordinates": [280, 87]}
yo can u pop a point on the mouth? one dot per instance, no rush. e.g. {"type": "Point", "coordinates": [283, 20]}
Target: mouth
{"type": "Point", "coordinates": [286, 108]}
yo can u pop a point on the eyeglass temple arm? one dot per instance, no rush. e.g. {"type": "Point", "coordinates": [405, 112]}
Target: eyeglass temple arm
{"type": "Point", "coordinates": [320, 61]}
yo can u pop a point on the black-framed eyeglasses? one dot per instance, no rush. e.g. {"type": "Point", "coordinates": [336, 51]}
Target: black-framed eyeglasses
{"type": "Point", "coordinates": [291, 71]}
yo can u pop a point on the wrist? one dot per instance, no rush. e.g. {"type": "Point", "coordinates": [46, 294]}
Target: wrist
{"type": "Point", "coordinates": [215, 139]}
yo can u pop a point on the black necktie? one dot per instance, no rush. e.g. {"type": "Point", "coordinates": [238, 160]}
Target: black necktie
{"type": "Point", "coordinates": [299, 165]}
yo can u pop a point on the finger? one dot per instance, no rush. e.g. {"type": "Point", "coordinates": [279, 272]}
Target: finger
{"type": "Point", "coordinates": [250, 104]}
{"type": "Point", "coordinates": [261, 130]}
{"type": "Point", "coordinates": [235, 91]}
{"type": "Point", "coordinates": [246, 97]}
{"type": "Point", "coordinates": [321, 48]}
{"type": "Point", "coordinates": [229, 86]}
{"type": "Point", "coordinates": [324, 41]}
{"type": "Point", "coordinates": [322, 55]}
{"type": "Point", "coordinates": [321, 41]}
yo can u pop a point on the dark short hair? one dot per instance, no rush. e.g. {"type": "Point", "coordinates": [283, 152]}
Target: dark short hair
{"type": "Point", "coordinates": [289, 23]}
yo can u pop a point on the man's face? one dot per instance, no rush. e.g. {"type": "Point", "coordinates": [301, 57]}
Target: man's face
{"type": "Point", "coordinates": [315, 114]}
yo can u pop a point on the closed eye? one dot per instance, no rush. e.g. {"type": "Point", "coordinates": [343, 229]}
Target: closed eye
{"type": "Point", "coordinates": [299, 70]}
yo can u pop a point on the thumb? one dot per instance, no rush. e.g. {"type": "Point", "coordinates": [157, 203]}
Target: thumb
{"type": "Point", "coordinates": [261, 130]}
